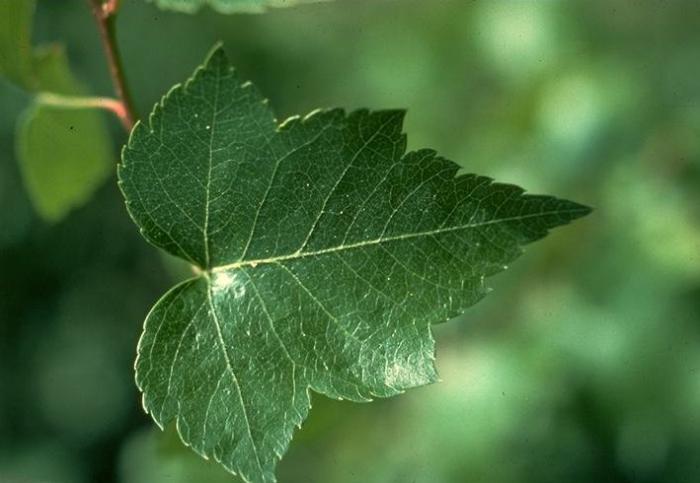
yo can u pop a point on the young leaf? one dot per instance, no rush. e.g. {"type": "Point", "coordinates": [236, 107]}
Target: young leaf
{"type": "Point", "coordinates": [325, 253]}
{"type": "Point", "coordinates": [51, 71]}
{"type": "Point", "coordinates": [228, 6]}
{"type": "Point", "coordinates": [32, 69]}
{"type": "Point", "coordinates": [64, 156]}
{"type": "Point", "coordinates": [63, 152]}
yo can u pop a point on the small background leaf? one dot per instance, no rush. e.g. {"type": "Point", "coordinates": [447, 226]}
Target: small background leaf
{"type": "Point", "coordinates": [64, 153]}
{"type": "Point", "coordinates": [51, 71]}
{"type": "Point", "coordinates": [64, 156]}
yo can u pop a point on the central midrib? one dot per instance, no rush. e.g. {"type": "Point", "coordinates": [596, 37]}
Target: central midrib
{"type": "Point", "coordinates": [366, 243]}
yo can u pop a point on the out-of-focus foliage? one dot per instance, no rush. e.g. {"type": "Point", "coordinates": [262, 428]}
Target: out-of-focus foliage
{"type": "Point", "coordinates": [585, 364]}
{"type": "Point", "coordinates": [15, 42]}
{"type": "Point", "coordinates": [227, 6]}
{"type": "Point", "coordinates": [64, 152]}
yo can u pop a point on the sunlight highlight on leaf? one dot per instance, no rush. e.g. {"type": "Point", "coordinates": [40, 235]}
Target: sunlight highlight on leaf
{"type": "Point", "coordinates": [326, 253]}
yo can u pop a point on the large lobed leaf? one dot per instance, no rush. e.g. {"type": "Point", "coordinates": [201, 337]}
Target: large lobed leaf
{"type": "Point", "coordinates": [228, 6]}
{"type": "Point", "coordinates": [326, 252]}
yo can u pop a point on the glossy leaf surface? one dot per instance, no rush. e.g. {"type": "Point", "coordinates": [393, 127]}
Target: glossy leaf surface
{"type": "Point", "coordinates": [325, 254]}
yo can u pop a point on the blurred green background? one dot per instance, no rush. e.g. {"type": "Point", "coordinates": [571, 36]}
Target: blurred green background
{"type": "Point", "coordinates": [583, 365]}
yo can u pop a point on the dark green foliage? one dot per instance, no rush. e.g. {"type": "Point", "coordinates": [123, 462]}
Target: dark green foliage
{"type": "Point", "coordinates": [326, 252]}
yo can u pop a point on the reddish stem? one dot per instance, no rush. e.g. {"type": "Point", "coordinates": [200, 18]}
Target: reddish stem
{"type": "Point", "coordinates": [104, 13]}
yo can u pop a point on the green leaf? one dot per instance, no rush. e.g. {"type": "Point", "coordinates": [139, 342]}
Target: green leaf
{"type": "Point", "coordinates": [15, 40]}
{"type": "Point", "coordinates": [64, 153]}
{"type": "Point", "coordinates": [64, 157]}
{"type": "Point", "coordinates": [52, 72]}
{"type": "Point", "coordinates": [44, 68]}
{"type": "Point", "coordinates": [228, 6]}
{"type": "Point", "coordinates": [325, 254]}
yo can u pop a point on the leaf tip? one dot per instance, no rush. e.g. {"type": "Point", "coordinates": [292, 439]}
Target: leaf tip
{"type": "Point", "coordinates": [217, 56]}
{"type": "Point", "coordinates": [575, 210]}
